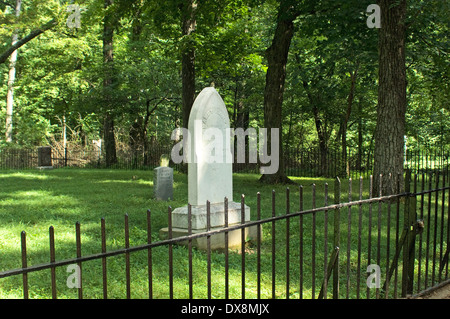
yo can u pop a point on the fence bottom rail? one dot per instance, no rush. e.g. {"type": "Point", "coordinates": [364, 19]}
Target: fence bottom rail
{"type": "Point", "coordinates": [407, 234]}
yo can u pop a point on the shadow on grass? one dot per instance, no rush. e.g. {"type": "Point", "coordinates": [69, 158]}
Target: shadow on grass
{"type": "Point", "coordinates": [32, 201]}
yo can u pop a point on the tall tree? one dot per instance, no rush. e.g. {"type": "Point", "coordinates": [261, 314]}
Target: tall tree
{"type": "Point", "coordinates": [188, 25]}
{"type": "Point", "coordinates": [346, 118]}
{"type": "Point", "coordinates": [11, 78]}
{"type": "Point", "coordinates": [277, 56]}
{"type": "Point", "coordinates": [391, 109]}
{"type": "Point", "coordinates": [108, 81]}
{"type": "Point", "coordinates": [33, 34]}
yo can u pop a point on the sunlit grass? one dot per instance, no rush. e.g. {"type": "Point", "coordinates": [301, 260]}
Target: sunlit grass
{"type": "Point", "coordinates": [32, 201]}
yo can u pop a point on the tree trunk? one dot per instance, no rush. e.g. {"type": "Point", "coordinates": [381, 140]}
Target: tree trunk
{"type": "Point", "coordinates": [360, 137]}
{"type": "Point", "coordinates": [321, 131]}
{"type": "Point", "coordinates": [350, 98]}
{"type": "Point", "coordinates": [323, 139]}
{"type": "Point", "coordinates": [242, 120]}
{"type": "Point", "coordinates": [108, 59]}
{"type": "Point", "coordinates": [33, 34]}
{"type": "Point", "coordinates": [277, 55]}
{"type": "Point", "coordinates": [11, 79]}
{"type": "Point", "coordinates": [188, 25]}
{"type": "Point", "coordinates": [391, 110]}
{"type": "Point", "coordinates": [136, 140]}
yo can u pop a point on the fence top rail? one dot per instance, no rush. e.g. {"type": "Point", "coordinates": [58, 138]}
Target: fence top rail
{"type": "Point", "coordinates": [230, 228]}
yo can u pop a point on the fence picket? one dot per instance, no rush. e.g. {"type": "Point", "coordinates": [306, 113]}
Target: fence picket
{"type": "Point", "coordinates": [310, 234]}
{"type": "Point", "coordinates": [298, 161]}
{"type": "Point", "coordinates": [127, 258]}
{"type": "Point", "coordinates": [149, 254]}
{"type": "Point", "coordinates": [24, 264]}
{"type": "Point", "coordinates": [52, 260]}
{"type": "Point", "coordinates": [104, 272]}
{"type": "Point", "coordinates": [78, 244]}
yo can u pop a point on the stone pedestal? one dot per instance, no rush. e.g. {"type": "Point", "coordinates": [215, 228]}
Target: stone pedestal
{"type": "Point", "coordinates": [217, 221]}
{"type": "Point", "coordinates": [217, 241]}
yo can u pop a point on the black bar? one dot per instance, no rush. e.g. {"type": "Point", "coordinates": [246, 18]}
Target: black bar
{"type": "Point", "coordinates": [349, 227]}
{"type": "Point", "coordinates": [24, 264]}
{"type": "Point", "coordinates": [358, 271]}
{"type": "Point", "coordinates": [104, 272]}
{"type": "Point", "coordinates": [436, 205]}
{"type": "Point", "coordinates": [242, 247]}
{"type": "Point", "coordinates": [448, 227]}
{"type": "Point", "coordinates": [52, 260]}
{"type": "Point", "coordinates": [78, 244]}
{"type": "Point", "coordinates": [190, 251]}
{"type": "Point", "coordinates": [441, 248]}
{"type": "Point", "coordinates": [397, 234]}
{"type": "Point", "coordinates": [301, 243]}
{"type": "Point", "coordinates": [313, 261]}
{"type": "Point", "coordinates": [149, 255]}
{"type": "Point", "coordinates": [388, 238]}
{"type": "Point", "coordinates": [337, 236]}
{"type": "Point", "coordinates": [127, 258]}
{"type": "Point", "coordinates": [170, 254]}
{"type": "Point", "coordinates": [420, 235]}
{"type": "Point", "coordinates": [427, 253]}
{"type": "Point", "coordinates": [258, 248]}
{"type": "Point", "coordinates": [227, 283]}
{"type": "Point", "coordinates": [369, 235]}
{"type": "Point", "coordinates": [273, 245]}
{"type": "Point", "coordinates": [325, 251]}
{"type": "Point", "coordinates": [287, 243]}
{"type": "Point", "coordinates": [379, 230]}
{"type": "Point", "coordinates": [208, 246]}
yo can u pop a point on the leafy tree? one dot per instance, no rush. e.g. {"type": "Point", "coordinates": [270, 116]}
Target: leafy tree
{"type": "Point", "coordinates": [307, 68]}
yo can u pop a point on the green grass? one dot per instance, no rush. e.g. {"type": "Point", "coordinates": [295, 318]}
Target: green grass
{"type": "Point", "coordinates": [31, 201]}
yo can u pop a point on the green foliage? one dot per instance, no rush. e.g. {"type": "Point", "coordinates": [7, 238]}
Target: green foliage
{"type": "Point", "coordinates": [61, 72]}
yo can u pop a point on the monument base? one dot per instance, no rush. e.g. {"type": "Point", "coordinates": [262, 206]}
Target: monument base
{"type": "Point", "coordinates": [217, 241]}
{"type": "Point", "coordinates": [217, 221]}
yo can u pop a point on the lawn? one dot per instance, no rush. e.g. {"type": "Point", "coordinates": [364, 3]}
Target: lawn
{"type": "Point", "coordinates": [31, 201]}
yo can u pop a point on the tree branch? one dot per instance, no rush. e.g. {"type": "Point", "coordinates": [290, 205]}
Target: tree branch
{"type": "Point", "coordinates": [8, 4]}
{"type": "Point", "coordinates": [33, 34]}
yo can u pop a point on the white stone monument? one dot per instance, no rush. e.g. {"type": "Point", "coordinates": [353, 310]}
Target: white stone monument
{"type": "Point", "coordinates": [209, 175]}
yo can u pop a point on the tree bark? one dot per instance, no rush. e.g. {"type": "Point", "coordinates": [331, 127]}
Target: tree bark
{"type": "Point", "coordinates": [323, 141]}
{"type": "Point", "coordinates": [321, 130]}
{"type": "Point", "coordinates": [108, 80]}
{"type": "Point", "coordinates": [188, 25]}
{"type": "Point", "coordinates": [11, 79]}
{"type": "Point", "coordinates": [33, 34]}
{"type": "Point", "coordinates": [344, 123]}
{"type": "Point", "coordinates": [360, 137]}
{"type": "Point", "coordinates": [391, 110]}
{"type": "Point", "coordinates": [277, 56]}
{"type": "Point", "coordinates": [241, 120]}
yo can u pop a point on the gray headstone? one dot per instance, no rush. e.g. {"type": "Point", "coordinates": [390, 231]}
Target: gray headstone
{"type": "Point", "coordinates": [45, 156]}
{"type": "Point", "coordinates": [163, 183]}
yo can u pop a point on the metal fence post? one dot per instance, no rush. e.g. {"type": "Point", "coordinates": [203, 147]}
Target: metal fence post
{"type": "Point", "coordinates": [409, 247]}
{"type": "Point", "coordinates": [337, 236]}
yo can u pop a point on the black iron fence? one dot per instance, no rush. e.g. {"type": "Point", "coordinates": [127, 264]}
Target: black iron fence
{"type": "Point", "coordinates": [298, 161]}
{"type": "Point", "coordinates": [313, 163]}
{"type": "Point", "coordinates": [82, 158]}
{"type": "Point", "coordinates": [354, 244]}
